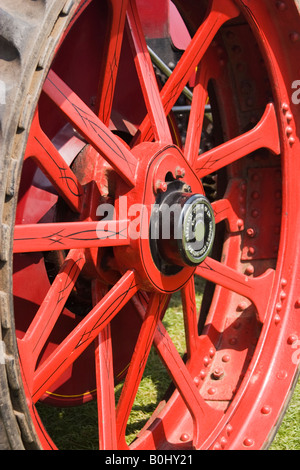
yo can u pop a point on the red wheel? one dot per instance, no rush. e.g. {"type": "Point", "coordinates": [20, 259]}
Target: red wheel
{"type": "Point", "coordinates": [107, 215]}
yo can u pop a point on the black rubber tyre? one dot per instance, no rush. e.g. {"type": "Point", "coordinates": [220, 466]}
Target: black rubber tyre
{"type": "Point", "coordinates": [29, 33]}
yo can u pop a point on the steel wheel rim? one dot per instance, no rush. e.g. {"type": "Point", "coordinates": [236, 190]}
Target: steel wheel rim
{"type": "Point", "coordinates": [220, 430]}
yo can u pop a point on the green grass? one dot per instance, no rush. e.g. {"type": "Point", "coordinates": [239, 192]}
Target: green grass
{"type": "Point", "coordinates": [76, 428]}
{"type": "Point", "coordinates": [288, 436]}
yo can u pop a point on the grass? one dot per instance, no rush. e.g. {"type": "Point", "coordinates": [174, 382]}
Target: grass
{"type": "Point", "coordinates": [288, 436]}
{"type": "Point", "coordinates": [76, 428]}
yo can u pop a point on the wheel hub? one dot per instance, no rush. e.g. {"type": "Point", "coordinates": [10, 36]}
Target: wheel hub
{"type": "Point", "coordinates": [177, 224]}
{"type": "Point", "coordinates": [182, 230]}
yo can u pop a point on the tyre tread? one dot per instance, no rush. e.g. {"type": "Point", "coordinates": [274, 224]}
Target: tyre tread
{"type": "Point", "coordinates": [29, 32]}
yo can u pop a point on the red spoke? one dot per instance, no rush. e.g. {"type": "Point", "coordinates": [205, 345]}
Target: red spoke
{"type": "Point", "coordinates": [194, 53]}
{"type": "Point", "coordinates": [223, 210]}
{"type": "Point", "coordinates": [105, 382]}
{"type": "Point", "coordinates": [201, 413]}
{"type": "Point", "coordinates": [147, 77]}
{"type": "Point", "coordinates": [50, 309]}
{"type": "Point", "coordinates": [84, 334]}
{"type": "Point", "coordinates": [52, 164]}
{"type": "Point", "coordinates": [67, 235]}
{"type": "Point", "coordinates": [255, 289]}
{"type": "Point", "coordinates": [91, 128]}
{"type": "Point", "coordinates": [190, 316]}
{"type": "Point", "coordinates": [138, 363]}
{"type": "Point", "coordinates": [264, 135]}
{"type": "Point", "coordinates": [195, 125]}
{"type": "Point", "coordinates": [105, 392]}
{"type": "Point", "coordinates": [111, 63]}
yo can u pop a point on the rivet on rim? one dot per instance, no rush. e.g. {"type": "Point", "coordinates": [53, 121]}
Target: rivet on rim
{"type": "Point", "coordinates": [277, 319]}
{"type": "Point", "coordinates": [248, 442]}
{"type": "Point", "coordinates": [249, 270]}
{"type": "Point", "coordinates": [281, 6]}
{"type": "Point", "coordinates": [179, 172]}
{"type": "Point", "coordinates": [266, 409]}
{"type": "Point", "coordinates": [226, 358]}
{"type": "Point", "coordinates": [161, 186]}
{"type": "Point", "coordinates": [297, 303]}
{"type": "Point", "coordinates": [292, 339]}
{"type": "Point", "coordinates": [294, 36]}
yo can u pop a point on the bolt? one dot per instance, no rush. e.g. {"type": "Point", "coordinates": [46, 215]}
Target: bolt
{"type": "Point", "coordinates": [218, 373]}
{"type": "Point", "coordinates": [289, 130]}
{"type": "Point", "coordinates": [237, 325]}
{"type": "Point", "coordinates": [266, 410]}
{"type": "Point", "coordinates": [292, 141]}
{"type": "Point", "coordinates": [277, 319]}
{"type": "Point", "coordinates": [184, 437]}
{"type": "Point", "coordinates": [249, 270]}
{"type": "Point", "coordinates": [251, 251]}
{"type": "Point", "coordinates": [292, 339]}
{"type": "Point", "coordinates": [297, 303]}
{"type": "Point", "coordinates": [179, 172]}
{"type": "Point", "coordinates": [186, 188]}
{"type": "Point", "coordinates": [212, 352]}
{"type": "Point", "coordinates": [223, 442]}
{"type": "Point", "coordinates": [294, 36]}
{"type": "Point", "coordinates": [248, 442]}
{"type": "Point", "coordinates": [196, 380]}
{"type": "Point", "coordinates": [282, 295]}
{"type": "Point", "coordinates": [206, 361]}
{"type": "Point", "coordinates": [285, 107]}
{"type": "Point", "coordinates": [217, 446]}
{"type": "Point", "coordinates": [161, 186]}
{"type": "Point", "coordinates": [240, 224]}
{"type": "Point", "coordinates": [282, 375]}
{"type": "Point", "coordinates": [242, 306]}
{"type": "Point", "coordinates": [226, 358]}
{"type": "Point", "coordinates": [281, 6]}
{"type": "Point", "coordinates": [251, 232]}
{"type": "Point", "coordinates": [211, 391]}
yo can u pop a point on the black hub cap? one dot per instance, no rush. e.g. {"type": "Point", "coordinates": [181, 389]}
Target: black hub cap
{"type": "Point", "coordinates": [197, 225]}
{"type": "Point", "coordinates": [182, 230]}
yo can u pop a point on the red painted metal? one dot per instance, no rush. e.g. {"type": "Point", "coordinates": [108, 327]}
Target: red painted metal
{"type": "Point", "coordinates": [159, 122]}
{"type": "Point", "coordinates": [109, 72]}
{"type": "Point", "coordinates": [69, 235]}
{"type": "Point", "coordinates": [192, 57]}
{"type": "Point", "coordinates": [154, 17]}
{"type": "Point", "coordinates": [91, 128]}
{"type": "Point", "coordinates": [224, 387]}
{"type": "Point", "coordinates": [242, 145]}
